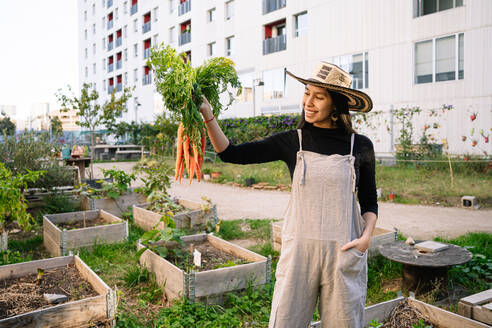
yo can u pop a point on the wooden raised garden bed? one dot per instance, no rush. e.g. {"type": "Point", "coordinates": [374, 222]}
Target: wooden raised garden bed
{"type": "Point", "coordinates": [65, 231]}
{"type": "Point", "coordinates": [210, 284]}
{"type": "Point", "coordinates": [113, 206]}
{"type": "Point", "coordinates": [90, 301]}
{"type": "Point", "coordinates": [195, 218]}
{"type": "Point", "coordinates": [379, 237]}
{"type": "Point", "coordinates": [477, 306]}
{"type": "Point", "coordinates": [397, 309]}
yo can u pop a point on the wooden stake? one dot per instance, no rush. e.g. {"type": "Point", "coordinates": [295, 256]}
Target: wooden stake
{"type": "Point", "coordinates": [191, 249]}
{"type": "Point", "coordinates": [451, 171]}
{"type": "Point", "coordinates": [83, 215]}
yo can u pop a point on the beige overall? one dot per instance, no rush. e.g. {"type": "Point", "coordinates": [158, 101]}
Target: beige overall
{"type": "Point", "coordinates": [322, 215]}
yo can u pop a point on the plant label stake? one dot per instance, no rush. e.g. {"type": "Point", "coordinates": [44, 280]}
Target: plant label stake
{"type": "Point", "coordinates": [197, 258]}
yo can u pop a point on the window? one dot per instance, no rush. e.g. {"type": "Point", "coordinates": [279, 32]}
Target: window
{"type": "Point", "coordinates": [211, 15]}
{"type": "Point", "coordinates": [211, 49]}
{"type": "Point", "coordinates": [155, 13]}
{"type": "Point", "coordinates": [246, 80]}
{"type": "Point", "coordinates": [86, 53]}
{"type": "Point", "coordinates": [155, 41]}
{"type": "Point", "coordinates": [229, 45]}
{"type": "Point", "coordinates": [104, 43]}
{"type": "Point", "coordinates": [135, 49]}
{"type": "Point", "coordinates": [85, 15]}
{"type": "Point", "coordinates": [94, 68]}
{"type": "Point", "coordinates": [104, 64]}
{"type": "Point", "coordinates": [93, 48]}
{"type": "Point", "coordinates": [104, 85]}
{"type": "Point", "coordinates": [93, 9]}
{"type": "Point", "coordinates": [300, 24]}
{"type": "Point", "coordinates": [171, 35]}
{"type": "Point", "coordinates": [125, 78]}
{"type": "Point", "coordinates": [125, 55]}
{"type": "Point", "coordinates": [135, 25]}
{"type": "Point", "coordinates": [229, 9]}
{"type": "Point", "coordinates": [85, 34]}
{"type": "Point", "coordinates": [274, 84]}
{"type": "Point", "coordinates": [125, 31]}
{"type": "Point", "coordinates": [125, 7]}
{"type": "Point", "coordinates": [171, 6]}
{"type": "Point", "coordinates": [94, 28]}
{"type": "Point", "coordinates": [103, 22]}
{"type": "Point", "coordinates": [426, 7]}
{"type": "Point", "coordinates": [116, 13]}
{"type": "Point", "coordinates": [358, 66]}
{"type": "Point", "coordinates": [86, 72]}
{"type": "Point", "coordinates": [135, 74]}
{"type": "Point", "coordinates": [439, 59]}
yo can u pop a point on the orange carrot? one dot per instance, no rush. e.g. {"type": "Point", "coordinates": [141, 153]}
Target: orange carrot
{"type": "Point", "coordinates": [196, 155]}
{"type": "Point", "coordinates": [181, 167]}
{"type": "Point", "coordinates": [192, 167]}
{"type": "Point", "coordinates": [186, 150]}
{"type": "Point", "coordinates": [179, 151]}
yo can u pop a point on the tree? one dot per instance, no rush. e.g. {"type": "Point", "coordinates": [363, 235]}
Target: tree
{"type": "Point", "coordinates": [91, 112]}
{"type": "Point", "coordinates": [7, 125]}
{"type": "Point", "coordinates": [56, 127]}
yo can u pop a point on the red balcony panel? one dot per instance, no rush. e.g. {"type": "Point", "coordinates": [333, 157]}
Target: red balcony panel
{"type": "Point", "coordinates": [269, 28]}
{"type": "Point", "coordinates": [118, 56]}
{"type": "Point", "coordinates": [110, 16]}
{"type": "Point", "coordinates": [147, 44]}
{"type": "Point", "coordinates": [182, 1]}
{"type": "Point", "coordinates": [184, 25]}
{"type": "Point", "coordinates": [147, 18]}
{"type": "Point", "coordinates": [118, 34]}
{"type": "Point", "coordinates": [111, 81]}
{"type": "Point", "coordinates": [134, 2]}
{"type": "Point", "coordinates": [119, 79]}
{"type": "Point", "coordinates": [147, 70]}
{"type": "Point", "coordinates": [110, 60]}
{"type": "Point", "coordinates": [110, 38]}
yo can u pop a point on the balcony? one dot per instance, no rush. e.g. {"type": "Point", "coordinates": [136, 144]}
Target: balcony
{"type": "Point", "coordinates": [272, 45]}
{"type": "Point", "coordinates": [272, 5]}
{"type": "Point", "coordinates": [146, 27]}
{"type": "Point", "coordinates": [118, 64]}
{"type": "Point", "coordinates": [110, 45]}
{"type": "Point", "coordinates": [110, 89]}
{"type": "Point", "coordinates": [110, 3]}
{"type": "Point", "coordinates": [147, 79]}
{"type": "Point", "coordinates": [110, 67]}
{"type": "Point", "coordinates": [133, 9]}
{"type": "Point", "coordinates": [184, 38]}
{"type": "Point", "coordinates": [184, 7]}
{"type": "Point", "coordinates": [119, 87]}
{"type": "Point", "coordinates": [119, 41]}
{"type": "Point", "coordinates": [110, 24]}
{"type": "Point", "coordinates": [146, 53]}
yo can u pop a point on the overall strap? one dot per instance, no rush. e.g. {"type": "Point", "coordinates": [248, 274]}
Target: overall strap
{"type": "Point", "coordinates": [299, 133]}
{"type": "Point", "coordinates": [352, 144]}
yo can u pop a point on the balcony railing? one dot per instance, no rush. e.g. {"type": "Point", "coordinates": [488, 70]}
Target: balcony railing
{"type": "Point", "coordinates": [110, 89]}
{"type": "Point", "coordinates": [119, 87]}
{"type": "Point", "coordinates": [271, 45]}
{"type": "Point", "coordinates": [147, 79]}
{"type": "Point", "coordinates": [184, 7]}
{"type": "Point", "coordinates": [118, 64]}
{"type": "Point", "coordinates": [133, 9]}
{"type": "Point", "coordinates": [272, 5]}
{"type": "Point", "coordinates": [110, 3]}
{"type": "Point", "coordinates": [110, 67]}
{"type": "Point", "coordinates": [110, 45]}
{"type": "Point", "coordinates": [119, 41]}
{"type": "Point", "coordinates": [184, 38]}
{"type": "Point", "coordinates": [146, 53]}
{"type": "Point", "coordinates": [146, 27]}
{"type": "Point", "coordinates": [110, 24]}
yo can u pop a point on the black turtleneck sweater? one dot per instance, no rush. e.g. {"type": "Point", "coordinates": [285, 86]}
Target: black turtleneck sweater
{"type": "Point", "coordinates": [284, 146]}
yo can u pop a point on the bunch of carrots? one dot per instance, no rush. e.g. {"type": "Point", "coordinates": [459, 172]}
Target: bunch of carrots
{"type": "Point", "coordinates": [189, 156]}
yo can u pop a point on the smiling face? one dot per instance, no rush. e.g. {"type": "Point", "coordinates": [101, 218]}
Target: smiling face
{"type": "Point", "coordinates": [318, 105]}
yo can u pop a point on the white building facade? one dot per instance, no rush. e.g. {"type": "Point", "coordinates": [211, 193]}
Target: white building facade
{"type": "Point", "coordinates": [402, 53]}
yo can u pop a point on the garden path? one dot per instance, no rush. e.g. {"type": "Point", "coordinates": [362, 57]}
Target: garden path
{"type": "Point", "coordinates": [418, 221]}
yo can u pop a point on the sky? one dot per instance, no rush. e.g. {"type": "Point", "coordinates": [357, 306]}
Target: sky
{"type": "Point", "coordinates": [39, 42]}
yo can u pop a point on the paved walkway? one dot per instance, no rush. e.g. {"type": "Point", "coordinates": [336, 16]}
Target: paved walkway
{"type": "Point", "coordinates": [420, 222]}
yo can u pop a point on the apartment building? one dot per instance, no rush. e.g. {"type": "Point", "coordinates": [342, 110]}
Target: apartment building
{"type": "Point", "coordinates": [68, 119]}
{"type": "Point", "coordinates": [402, 53]}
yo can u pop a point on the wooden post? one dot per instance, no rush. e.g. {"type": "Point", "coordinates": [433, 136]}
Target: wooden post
{"type": "Point", "coordinates": [4, 241]}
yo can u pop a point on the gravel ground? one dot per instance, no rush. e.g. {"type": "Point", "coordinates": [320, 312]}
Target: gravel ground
{"type": "Point", "coordinates": [420, 222]}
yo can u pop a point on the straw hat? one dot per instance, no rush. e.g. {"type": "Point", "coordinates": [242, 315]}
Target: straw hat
{"type": "Point", "coordinates": [335, 79]}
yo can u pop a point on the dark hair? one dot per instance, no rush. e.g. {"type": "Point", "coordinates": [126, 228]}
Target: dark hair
{"type": "Point", "coordinates": [340, 116]}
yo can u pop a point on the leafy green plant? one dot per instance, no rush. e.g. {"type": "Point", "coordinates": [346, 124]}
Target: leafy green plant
{"type": "Point", "coordinates": [136, 275]}
{"type": "Point", "coordinates": [421, 324]}
{"type": "Point", "coordinates": [121, 183]}
{"type": "Point", "coordinates": [375, 323]}
{"type": "Point", "coordinates": [155, 177]}
{"type": "Point", "coordinates": [13, 206]}
{"type": "Point", "coordinates": [163, 203]}
{"type": "Point", "coordinates": [11, 257]}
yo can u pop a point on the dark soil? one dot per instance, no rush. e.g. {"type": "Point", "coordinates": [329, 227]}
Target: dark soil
{"type": "Point", "coordinates": [405, 316]}
{"type": "Point", "coordinates": [22, 295]}
{"type": "Point", "coordinates": [212, 258]}
{"type": "Point", "coordinates": [80, 224]}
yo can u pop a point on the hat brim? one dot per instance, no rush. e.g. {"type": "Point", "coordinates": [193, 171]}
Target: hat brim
{"type": "Point", "coordinates": [358, 100]}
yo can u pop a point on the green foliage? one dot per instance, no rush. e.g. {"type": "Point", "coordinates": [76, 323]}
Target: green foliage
{"type": "Point", "coordinates": [161, 203]}
{"type": "Point", "coordinates": [380, 270]}
{"type": "Point", "coordinates": [13, 206]}
{"type": "Point", "coordinates": [136, 275]}
{"type": "Point", "coordinates": [56, 127]}
{"type": "Point", "coordinates": [121, 182]}
{"type": "Point", "coordinates": [156, 172]}
{"type": "Point", "coordinates": [182, 86]}
{"type": "Point", "coordinates": [421, 324]}
{"type": "Point", "coordinates": [11, 257]}
{"type": "Point", "coordinates": [7, 126]}
{"type": "Point", "coordinates": [375, 324]}
{"type": "Point", "coordinates": [58, 203]}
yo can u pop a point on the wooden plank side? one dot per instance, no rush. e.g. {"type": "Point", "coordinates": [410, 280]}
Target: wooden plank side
{"type": "Point", "coordinates": [195, 238]}
{"type": "Point", "coordinates": [168, 276]}
{"type": "Point", "coordinates": [478, 298]}
{"type": "Point", "coordinates": [22, 269]}
{"type": "Point", "coordinates": [482, 314]}
{"type": "Point", "coordinates": [144, 218]}
{"type": "Point", "coordinates": [72, 314]}
{"type": "Point", "coordinates": [51, 246]}
{"type": "Point", "coordinates": [189, 204]}
{"type": "Point", "coordinates": [86, 273]}
{"type": "Point", "coordinates": [72, 216]}
{"type": "Point", "coordinates": [51, 237]}
{"type": "Point", "coordinates": [442, 318]}
{"type": "Point", "coordinates": [277, 231]}
{"type": "Point", "coordinates": [234, 249]}
{"type": "Point", "coordinates": [84, 237]}
{"type": "Point", "coordinates": [224, 280]}
{"type": "Point", "coordinates": [108, 217]}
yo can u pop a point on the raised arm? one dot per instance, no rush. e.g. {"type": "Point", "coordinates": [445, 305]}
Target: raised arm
{"type": "Point", "coordinates": [217, 137]}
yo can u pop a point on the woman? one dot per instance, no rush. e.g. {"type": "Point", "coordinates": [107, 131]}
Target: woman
{"type": "Point", "coordinates": [324, 236]}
